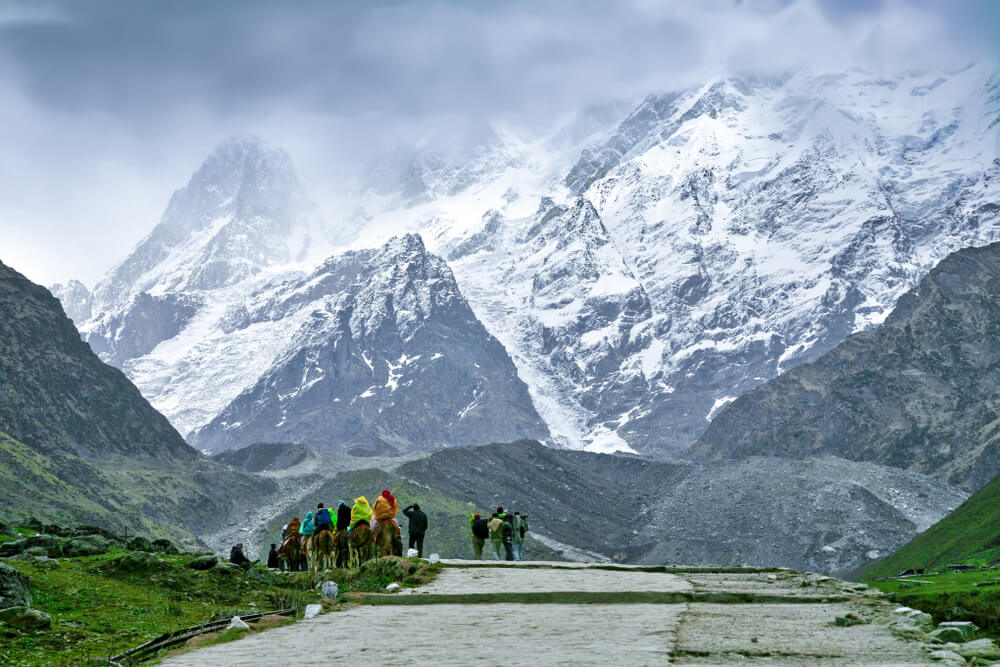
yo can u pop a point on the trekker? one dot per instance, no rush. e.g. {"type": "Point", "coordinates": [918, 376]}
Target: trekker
{"type": "Point", "coordinates": [495, 524]}
{"type": "Point", "coordinates": [480, 533]}
{"type": "Point", "coordinates": [507, 535]}
{"type": "Point", "coordinates": [272, 557]}
{"type": "Point", "coordinates": [323, 519]}
{"type": "Point", "coordinates": [361, 512]}
{"type": "Point", "coordinates": [385, 509]}
{"type": "Point", "coordinates": [417, 527]}
{"type": "Point", "coordinates": [520, 528]}
{"type": "Point", "coordinates": [343, 516]}
{"type": "Point", "coordinates": [308, 527]}
{"type": "Point", "coordinates": [236, 555]}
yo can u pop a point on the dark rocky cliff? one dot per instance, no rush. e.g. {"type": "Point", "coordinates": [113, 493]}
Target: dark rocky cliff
{"type": "Point", "coordinates": [920, 392]}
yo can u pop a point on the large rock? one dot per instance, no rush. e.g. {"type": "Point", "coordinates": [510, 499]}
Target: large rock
{"type": "Point", "coordinates": [165, 546]}
{"type": "Point", "coordinates": [135, 561]}
{"type": "Point", "coordinates": [205, 562]}
{"type": "Point", "coordinates": [14, 588]}
{"type": "Point", "coordinates": [983, 649]}
{"type": "Point", "coordinates": [88, 545]}
{"type": "Point", "coordinates": [52, 546]}
{"type": "Point", "coordinates": [25, 618]}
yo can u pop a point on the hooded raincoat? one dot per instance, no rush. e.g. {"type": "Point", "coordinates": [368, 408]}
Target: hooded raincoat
{"type": "Point", "coordinates": [361, 511]}
{"type": "Point", "coordinates": [308, 526]}
{"type": "Point", "coordinates": [385, 507]}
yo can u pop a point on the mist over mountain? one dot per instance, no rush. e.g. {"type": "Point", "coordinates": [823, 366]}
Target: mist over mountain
{"type": "Point", "coordinates": [640, 274]}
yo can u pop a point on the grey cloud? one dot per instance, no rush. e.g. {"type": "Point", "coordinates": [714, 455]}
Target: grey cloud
{"type": "Point", "coordinates": [110, 105]}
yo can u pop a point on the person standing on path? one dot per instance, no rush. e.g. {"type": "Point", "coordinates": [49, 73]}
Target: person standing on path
{"type": "Point", "coordinates": [480, 533]}
{"type": "Point", "coordinates": [495, 524]}
{"type": "Point", "coordinates": [520, 528]}
{"type": "Point", "coordinates": [417, 527]}
{"type": "Point", "coordinates": [272, 557]}
{"type": "Point", "coordinates": [507, 535]}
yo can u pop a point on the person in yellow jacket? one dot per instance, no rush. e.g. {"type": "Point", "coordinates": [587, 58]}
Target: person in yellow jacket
{"type": "Point", "coordinates": [361, 511]}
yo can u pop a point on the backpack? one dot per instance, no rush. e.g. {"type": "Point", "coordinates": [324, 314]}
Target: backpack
{"type": "Point", "coordinates": [480, 529]}
{"type": "Point", "coordinates": [323, 518]}
{"type": "Point", "coordinates": [507, 531]}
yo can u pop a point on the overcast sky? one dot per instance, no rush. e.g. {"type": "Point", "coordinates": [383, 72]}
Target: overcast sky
{"type": "Point", "coordinates": [107, 107]}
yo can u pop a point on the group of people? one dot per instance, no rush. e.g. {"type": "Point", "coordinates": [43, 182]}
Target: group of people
{"type": "Point", "coordinates": [344, 521]}
{"type": "Point", "coordinates": [504, 530]}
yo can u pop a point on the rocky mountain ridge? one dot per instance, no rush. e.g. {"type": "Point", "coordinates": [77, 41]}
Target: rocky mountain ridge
{"type": "Point", "coordinates": [919, 392]}
{"type": "Point", "coordinates": [78, 441]}
{"type": "Point", "coordinates": [385, 357]}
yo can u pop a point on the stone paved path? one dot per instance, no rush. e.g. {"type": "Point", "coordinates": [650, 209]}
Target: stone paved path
{"type": "Point", "coordinates": [788, 620]}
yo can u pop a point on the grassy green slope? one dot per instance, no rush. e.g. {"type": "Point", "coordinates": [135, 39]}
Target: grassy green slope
{"type": "Point", "coordinates": [970, 534]}
{"type": "Point", "coordinates": [164, 500]}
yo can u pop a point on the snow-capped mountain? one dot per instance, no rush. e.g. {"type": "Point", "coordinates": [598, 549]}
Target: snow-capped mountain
{"type": "Point", "coordinates": [641, 274]}
{"type": "Point", "coordinates": [751, 224]}
{"type": "Point", "coordinates": [385, 356]}
{"type": "Point", "coordinates": [75, 299]}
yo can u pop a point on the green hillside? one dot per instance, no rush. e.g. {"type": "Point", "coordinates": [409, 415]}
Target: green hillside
{"type": "Point", "coordinates": [970, 534]}
{"type": "Point", "coordinates": [175, 500]}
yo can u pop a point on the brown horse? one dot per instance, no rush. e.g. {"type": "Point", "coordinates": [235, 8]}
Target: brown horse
{"type": "Point", "coordinates": [291, 553]}
{"type": "Point", "coordinates": [321, 551]}
{"type": "Point", "coordinates": [360, 545]}
{"type": "Point", "coordinates": [342, 549]}
{"type": "Point", "coordinates": [385, 539]}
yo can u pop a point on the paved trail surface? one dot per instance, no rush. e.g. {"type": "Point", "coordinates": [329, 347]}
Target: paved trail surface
{"type": "Point", "coordinates": [557, 614]}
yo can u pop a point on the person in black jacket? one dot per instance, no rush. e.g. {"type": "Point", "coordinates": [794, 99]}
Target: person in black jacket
{"type": "Point", "coordinates": [343, 515]}
{"type": "Point", "coordinates": [237, 556]}
{"type": "Point", "coordinates": [418, 526]}
{"type": "Point", "coordinates": [272, 557]}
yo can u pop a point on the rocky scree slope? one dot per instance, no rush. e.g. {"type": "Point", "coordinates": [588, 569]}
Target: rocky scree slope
{"type": "Point", "coordinates": [970, 534]}
{"type": "Point", "coordinates": [386, 357]}
{"type": "Point", "coordinates": [77, 440]}
{"type": "Point", "coordinates": [920, 392]}
{"type": "Point", "coordinates": [266, 456]}
{"type": "Point", "coordinates": [821, 514]}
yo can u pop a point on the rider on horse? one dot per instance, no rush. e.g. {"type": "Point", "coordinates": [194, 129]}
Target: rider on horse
{"type": "Point", "coordinates": [361, 512]}
{"type": "Point", "coordinates": [385, 509]}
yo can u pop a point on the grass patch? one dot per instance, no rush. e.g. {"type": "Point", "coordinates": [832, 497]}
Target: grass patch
{"type": "Point", "coordinates": [952, 596]}
{"type": "Point", "coordinates": [98, 610]}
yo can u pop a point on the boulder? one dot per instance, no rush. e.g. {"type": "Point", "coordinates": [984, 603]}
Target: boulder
{"type": "Point", "coordinates": [206, 562]}
{"type": "Point", "coordinates": [947, 657]}
{"type": "Point", "coordinates": [15, 590]}
{"type": "Point", "coordinates": [37, 552]}
{"type": "Point", "coordinates": [165, 546]}
{"type": "Point", "coordinates": [135, 561]}
{"type": "Point", "coordinates": [982, 649]}
{"type": "Point", "coordinates": [965, 630]}
{"type": "Point", "coordinates": [25, 618]}
{"type": "Point", "coordinates": [848, 620]}
{"type": "Point", "coordinates": [87, 545]}
{"type": "Point", "coordinates": [53, 545]}
{"type": "Point", "coordinates": [140, 543]}
{"type": "Point", "coordinates": [943, 635]}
